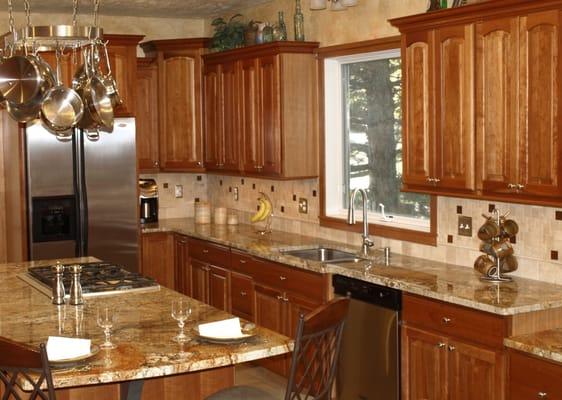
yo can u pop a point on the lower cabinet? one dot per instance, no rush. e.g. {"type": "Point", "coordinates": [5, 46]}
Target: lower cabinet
{"type": "Point", "coordinates": [157, 260]}
{"type": "Point", "coordinates": [210, 284]}
{"type": "Point", "coordinates": [242, 296]}
{"type": "Point", "coordinates": [182, 267]}
{"type": "Point", "coordinates": [533, 378]}
{"type": "Point", "coordinates": [437, 364]}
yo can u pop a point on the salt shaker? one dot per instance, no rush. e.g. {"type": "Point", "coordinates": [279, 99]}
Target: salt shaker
{"type": "Point", "coordinates": [76, 298]}
{"type": "Point", "coordinates": [58, 286]}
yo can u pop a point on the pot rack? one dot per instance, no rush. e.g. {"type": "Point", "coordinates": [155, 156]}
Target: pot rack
{"type": "Point", "coordinates": [53, 37]}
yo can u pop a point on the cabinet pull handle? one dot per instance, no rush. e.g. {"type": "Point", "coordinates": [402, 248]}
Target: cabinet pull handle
{"type": "Point", "coordinates": [441, 345]}
{"type": "Point", "coordinates": [283, 278]}
{"type": "Point", "coordinates": [279, 297]}
{"type": "Point", "coordinates": [220, 165]}
{"type": "Point", "coordinates": [542, 395]}
{"type": "Point", "coordinates": [205, 251]}
{"type": "Point", "coordinates": [446, 320]}
{"type": "Point", "coordinates": [243, 293]}
{"type": "Point", "coordinates": [511, 186]}
{"type": "Point", "coordinates": [258, 167]}
{"type": "Point", "coordinates": [243, 261]}
{"type": "Point", "coordinates": [428, 179]}
{"type": "Point", "coordinates": [156, 163]}
{"type": "Point", "coordinates": [452, 348]}
{"type": "Point", "coordinates": [436, 180]}
{"type": "Point", "coordinates": [199, 163]}
{"type": "Point", "coordinates": [520, 186]}
{"type": "Point", "coordinates": [285, 299]}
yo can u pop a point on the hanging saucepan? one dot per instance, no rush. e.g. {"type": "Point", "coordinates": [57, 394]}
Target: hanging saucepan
{"type": "Point", "coordinates": [109, 81]}
{"type": "Point", "coordinates": [47, 77]}
{"type": "Point", "coordinates": [20, 79]}
{"type": "Point", "coordinates": [96, 98]}
{"type": "Point", "coordinates": [62, 107]}
{"type": "Point", "coordinates": [24, 112]}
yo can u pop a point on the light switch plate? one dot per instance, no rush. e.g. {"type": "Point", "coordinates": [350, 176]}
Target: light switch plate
{"type": "Point", "coordinates": [465, 226]}
{"type": "Point", "coordinates": [303, 205]}
{"type": "Point", "coordinates": [179, 191]}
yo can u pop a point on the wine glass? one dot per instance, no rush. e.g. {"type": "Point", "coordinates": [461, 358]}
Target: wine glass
{"type": "Point", "coordinates": [106, 319]}
{"type": "Point", "coordinates": [181, 310]}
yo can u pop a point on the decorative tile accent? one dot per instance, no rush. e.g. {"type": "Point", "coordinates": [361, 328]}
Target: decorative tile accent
{"type": "Point", "coordinates": [553, 255]}
{"type": "Point", "coordinates": [449, 238]}
{"type": "Point", "coordinates": [491, 207]}
{"type": "Point", "coordinates": [558, 215]}
{"type": "Point", "coordinates": [459, 209]}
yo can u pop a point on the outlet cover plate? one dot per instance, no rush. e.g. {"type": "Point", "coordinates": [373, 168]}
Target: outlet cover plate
{"type": "Point", "coordinates": [303, 205]}
{"type": "Point", "coordinates": [465, 226]}
{"type": "Point", "coordinates": [179, 191]}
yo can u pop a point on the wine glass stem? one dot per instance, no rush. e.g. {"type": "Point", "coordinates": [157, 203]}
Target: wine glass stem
{"type": "Point", "coordinates": [181, 324]}
{"type": "Point", "coordinates": [107, 332]}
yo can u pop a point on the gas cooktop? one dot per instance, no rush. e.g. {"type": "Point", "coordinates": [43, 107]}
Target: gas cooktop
{"type": "Point", "coordinates": [99, 278]}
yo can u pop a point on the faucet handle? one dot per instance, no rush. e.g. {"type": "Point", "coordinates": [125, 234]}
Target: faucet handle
{"type": "Point", "coordinates": [368, 242]}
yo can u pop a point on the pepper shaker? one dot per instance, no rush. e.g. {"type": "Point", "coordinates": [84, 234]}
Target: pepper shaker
{"type": "Point", "coordinates": [76, 298]}
{"type": "Point", "coordinates": [58, 286]}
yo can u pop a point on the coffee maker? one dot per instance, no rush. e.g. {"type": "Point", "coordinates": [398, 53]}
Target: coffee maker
{"type": "Point", "coordinates": [148, 201]}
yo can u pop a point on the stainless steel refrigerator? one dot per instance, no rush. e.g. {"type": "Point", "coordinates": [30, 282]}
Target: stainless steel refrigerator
{"type": "Point", "coordinates": [82, 194]}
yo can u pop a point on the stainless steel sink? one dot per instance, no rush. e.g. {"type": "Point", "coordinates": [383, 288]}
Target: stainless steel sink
{"type": "Point", "coordinates": [324, 255]}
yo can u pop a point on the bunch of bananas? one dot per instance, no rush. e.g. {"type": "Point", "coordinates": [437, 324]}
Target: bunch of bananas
{"type": "Point", "coordinates": [264, 210]}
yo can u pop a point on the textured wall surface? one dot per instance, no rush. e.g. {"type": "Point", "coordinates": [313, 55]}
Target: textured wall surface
{"type": "Point", "coordinates": [367, 20]}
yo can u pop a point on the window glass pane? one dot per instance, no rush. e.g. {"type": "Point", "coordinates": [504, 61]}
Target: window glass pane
{"type": "Point", "coordinates": [372, 139]}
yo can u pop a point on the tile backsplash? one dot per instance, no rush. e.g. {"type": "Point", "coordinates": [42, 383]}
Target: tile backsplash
{"type": "Point", "coordinates": [537, 246]}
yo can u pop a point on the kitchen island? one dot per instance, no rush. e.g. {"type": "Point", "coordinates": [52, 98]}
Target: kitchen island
{"type": "Point", "coordinates": [143, 333]}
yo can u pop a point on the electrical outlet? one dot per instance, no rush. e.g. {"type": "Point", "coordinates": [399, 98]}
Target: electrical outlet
{"type": "Point", "coordinates": [179, 191]}
{"type": "Point", "coordinates": [235, 193]}
{"type": "Point", "coordinates": [303, 205]}
{"type": "Point", "coordinates": [465, 226]}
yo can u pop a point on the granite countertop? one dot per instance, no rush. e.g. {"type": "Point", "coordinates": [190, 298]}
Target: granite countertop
{"type": "Point", "coordinates": [546, 344]}
{"type": "Point", "coordinates": [437, 280]}
{"type": "Point", "coordinates": [143, 332]}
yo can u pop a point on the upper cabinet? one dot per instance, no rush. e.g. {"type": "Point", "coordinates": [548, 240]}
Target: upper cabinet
{"type": "Point", "coordinates": [261, 113]}
{"type": "Point", "coordinates": [179, 63]}
{"type": "Point", "coordinates": [482, 101]}
{"type": "Point", "coordinates": [147, 115]}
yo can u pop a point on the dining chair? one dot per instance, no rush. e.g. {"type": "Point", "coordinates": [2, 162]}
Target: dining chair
{"type": "Point", "coordinates": [314, 360]}
{"type": "Point", "coordinates": [20, 362]}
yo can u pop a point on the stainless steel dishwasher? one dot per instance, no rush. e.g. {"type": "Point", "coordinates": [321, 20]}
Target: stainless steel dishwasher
{"type": "Point", "coordinates": [369, 364]}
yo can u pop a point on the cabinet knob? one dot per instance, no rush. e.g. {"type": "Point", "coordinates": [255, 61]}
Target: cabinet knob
{"type": "Point", "coordinates": [436, 180]}
{"type": "Point", "coordinates": [446, 320]}
{"type": "Point", "coordinates": [279, 297]}
{"type": "Point", "coordinates": [520, 186]}
{"type": "Point", "coordinates": [428, 179]}
{"type": "Point", "coordinates": [243, 293]}
{"type": "Point", "coordinates": [452, 348]}
{"type": "Point", "coordinates": [243, 261]}
{"type": "Point", "coordinates": [542, 395]}
{"type": "Point", "coordinates": [283, 278]}
{"type": "Point", "coordinates": [258, 167]}
{"type": "Point", "coordinates": [156, 163]}
{"type": "Point", "coordinates": [511, 186]}
{"type": "Point", "coordinates": [199, 163]}
{"type": "Point", "coordinates": [205, 251]}
{"type": "Point", "coordinates": [441, 345]}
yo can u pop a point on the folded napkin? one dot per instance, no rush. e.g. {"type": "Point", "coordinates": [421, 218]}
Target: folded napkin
{"type": "Point", "coordinates": [225, 329]}
{"type": "Point", "coordinates": [63, 348]}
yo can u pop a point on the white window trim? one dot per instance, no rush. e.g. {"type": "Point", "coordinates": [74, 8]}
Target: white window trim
{"type": "Point", "coordinates": [333, 142]}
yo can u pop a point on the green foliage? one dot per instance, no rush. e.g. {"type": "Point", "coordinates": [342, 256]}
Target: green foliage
{"type": "Point", "coordinates": [228, 35]}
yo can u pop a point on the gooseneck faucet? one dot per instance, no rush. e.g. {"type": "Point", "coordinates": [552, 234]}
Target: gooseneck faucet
{"type": "Point", "coordinates": [367, 243]}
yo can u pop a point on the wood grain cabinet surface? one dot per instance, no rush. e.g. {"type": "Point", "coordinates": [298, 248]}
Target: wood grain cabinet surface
{"type": "Point", "coordinates": [261, 110]}
{"type": "Point", "coordinates": [482, 101]}
{"type": "Point", "coordinates": [533, 378]}
{"type": "Point", "coordinates": [157, 260]}
{"type": "Point", "coordinates": [180, 85]}
{"type": "Point", "coordinates": [147, 115]}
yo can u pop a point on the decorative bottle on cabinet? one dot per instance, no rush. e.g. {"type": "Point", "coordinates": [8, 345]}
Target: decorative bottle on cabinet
{"type": "Point", "coordinates": [282, 27]}
{"type": "Point", "coordinates": [299, 23]}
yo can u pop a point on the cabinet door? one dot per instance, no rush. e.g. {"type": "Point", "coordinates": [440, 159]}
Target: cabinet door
{"type": "Point", "coordinates": [213, 116]}
{"type": "Point", "coordinates": [183, 268]}
{"type": "Point", "coordinates": [496, 101]}
{"type": "Point", "coordinates": [424, 365]}
{"type": "Point", "coordinates": [158, 258]}
{"type": "Point", "coordinates": [454, 99]}
{"type": "Point", "coordinates": [231, 137]}
{"type": "Point", "coordinates": [146, 112]}
{"type": "Point", "coordinates": [270, 117]}
{"type": "Point", "coordinates": [242, 295]}
{"type": "Point", "coordinates": [199, 280]}
{"type": "Point", "coordinates": [181, 141]}
{"type": "Point", "coordinates": [474, 373]}
{"type": "Point", "coordinates": [271, 314]}
{"type": "Point", "coordinates": [540, 169]}
{"type": "Point", "coordinates": [122, 59]}
{"type": "Point", "coordinates": [418, 125]}
{"type": "Point", "coordinates": [250, 110]}
{"type": "Point", "coordinates": [533, 378]}
{"type": "Point", "coordinates": [219, 287]}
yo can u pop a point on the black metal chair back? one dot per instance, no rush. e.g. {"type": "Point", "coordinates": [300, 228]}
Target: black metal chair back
{"type": "Point", "coordinates": [316, 352]}
{"type": "Point", "coordinates": [19, 362]}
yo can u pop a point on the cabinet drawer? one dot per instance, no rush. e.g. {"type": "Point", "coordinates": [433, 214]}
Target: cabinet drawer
{"type": "Point", "coordinates": [245, 263]}
{"type": "Point", "coordinates": [307, 284]}
{"type": "Point", "coordinates": [242, 292]}
{"type": "Point", "coordinates": [456, 321]}
{"type": "Point", "coordinates": [209, 253]}
{"type": "Point", "coordinates": [533, 378]}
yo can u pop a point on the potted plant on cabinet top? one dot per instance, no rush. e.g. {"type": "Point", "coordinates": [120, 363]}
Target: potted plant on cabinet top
{"type": "Point", "coordinates": [228, 35]}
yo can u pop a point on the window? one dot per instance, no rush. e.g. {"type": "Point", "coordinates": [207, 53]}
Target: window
{"type": "Point", "coordinates": [363, 141]}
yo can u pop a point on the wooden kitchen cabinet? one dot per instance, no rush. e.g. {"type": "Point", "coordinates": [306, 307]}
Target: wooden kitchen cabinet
{"type": "Point", "coordinates": [533, 378]}
{"type": "Point", "coordinates": [182, 265]}
{"type": "Point", "coordinates": [272, 113]}
{"type": "Point", "coordinates": [242, 295]}
{"type": "Point", "coordinates": [157, 259]}
{"type": "Point", "coordinates": [482, 109]}
{"type": "Point", "coordinates": [179, 102]}
{"type": "Point", "coordinates": [444, 352]}
{"type": "Point", "coordinates": [147, 115]}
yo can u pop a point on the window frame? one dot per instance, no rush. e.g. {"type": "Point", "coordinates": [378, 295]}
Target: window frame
{"type": "Point", "coordinates": [391, 232]}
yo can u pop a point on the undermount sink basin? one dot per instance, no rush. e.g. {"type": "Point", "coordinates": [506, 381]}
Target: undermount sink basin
{"type": "Point", "coordinates": [323, 254]}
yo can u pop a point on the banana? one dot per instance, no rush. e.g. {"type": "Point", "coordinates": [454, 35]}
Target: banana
{"type": "Point", "coordinates": [259, 215]}
{"type": "Point", "coordinates": [268, 208]}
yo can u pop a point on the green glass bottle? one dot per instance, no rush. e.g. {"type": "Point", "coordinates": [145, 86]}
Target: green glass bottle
{"type": "Point", "coordinates": [299, 23]}
{"type": "Point", "coordinates": [282, 27]}
{"type": "Point", "coordinates": [443, 4]}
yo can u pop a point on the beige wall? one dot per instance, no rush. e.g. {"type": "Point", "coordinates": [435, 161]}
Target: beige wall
{"type": "Point", "coordinates": [367, 20]}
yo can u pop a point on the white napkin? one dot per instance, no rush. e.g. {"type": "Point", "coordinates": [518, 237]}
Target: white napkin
{"type": "Point", "coordinates": [225, 329]}
{"type": "Point", "coordinates": [63, 348]}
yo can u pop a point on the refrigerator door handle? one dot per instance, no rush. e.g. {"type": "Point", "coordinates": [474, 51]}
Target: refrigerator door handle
{"type": "Point", "coordinates": [81, 194]}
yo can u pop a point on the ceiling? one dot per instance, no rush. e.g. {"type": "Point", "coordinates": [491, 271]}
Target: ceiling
{"type": "Point", "coordinates": [147, 8]}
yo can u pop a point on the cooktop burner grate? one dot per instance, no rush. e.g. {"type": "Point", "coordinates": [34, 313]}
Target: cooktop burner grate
{"type": "Point", "coordinates": [97, 277]}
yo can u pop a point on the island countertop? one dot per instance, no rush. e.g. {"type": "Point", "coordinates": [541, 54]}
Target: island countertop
{"type": "Point", "coordinates": [437, 280]}
{"type": "Point", "coordinates": [143, 332]}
